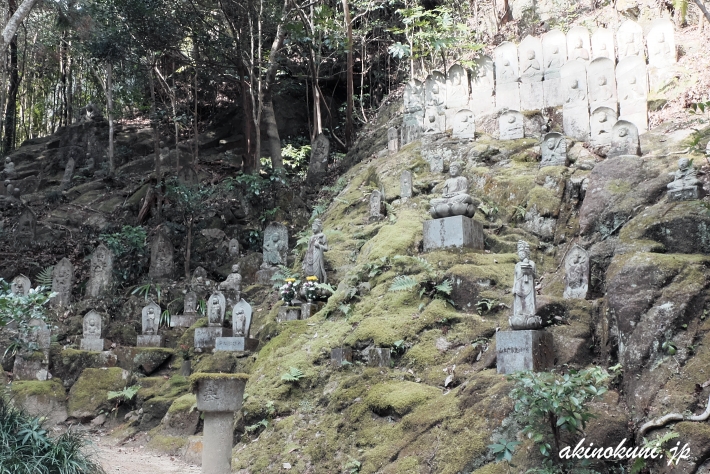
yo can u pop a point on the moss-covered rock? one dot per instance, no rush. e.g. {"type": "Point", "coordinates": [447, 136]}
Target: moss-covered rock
{"type": "Point", "coordinates": [89, 394]}
{"type": "Point", "coordinates": [42, 398]}
{"type": "Point", "coordinates": [144, 359]}
{"type": "Point", "coordinates": [398, 398]}
{"type": "Point", "coordinates": [182, 417]}
{"type": "Point", "coordinates": [71, 363]}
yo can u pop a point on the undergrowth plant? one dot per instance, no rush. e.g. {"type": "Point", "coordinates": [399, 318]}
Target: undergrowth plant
{"type": "Point", "coordinates": [122, 396]}
{"type": "Point", "coordinates": [431, 284]}
{"type": "Point", "coordinates": [21, 309]}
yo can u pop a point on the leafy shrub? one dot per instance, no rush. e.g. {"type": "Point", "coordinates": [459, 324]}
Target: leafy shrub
{"type": "Point", "coordinates": [293, 375]}
{"type": "Point", "coordinates": [20, 308]}
{"type": "Point", "coordinates": [128, 239]}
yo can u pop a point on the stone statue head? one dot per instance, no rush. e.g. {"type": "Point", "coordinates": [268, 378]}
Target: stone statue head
{"type": "Point", "coordinates": [235, 268]}
{"type": "Point", "coordinates": [506, 62]}
{"type": "Point", "coordinates": [661, 37]}
{"type": "Point", "coordinates": [556, 49]}
{"type": "Point", "coordinates": [531, 54]}
{"type": "Point", "coordinates": [511, 118]}
{"type": "Point", "coordinates": [274, 238]}
{"type": "Point", "coordinates": [601, 80]}
{"type": "Point", "coordinates": [623, 131]}
{"type": "Point", "coordinates": [455, 169]}
{"type": "Point", "coordinates": [601, 117]}
{"type": "Point", "coordinates": [317, 226]}
{"type": "Point", "coordinates": [523, 250]}
{"type": "Point", "coordinates": [683, 164]}
{"type": "Point", "coordinates": [632, 80]}
{"type": "Point", "coordinates": [603, 47]}
{"type": "Point", "coordinates": [8, 160]}
{"type": "Point", "coordinates": [574, 84]}
{"type": "Point", "coordinates": [550, 143]}
{"type": "Point", "coordinates": [578, 43]}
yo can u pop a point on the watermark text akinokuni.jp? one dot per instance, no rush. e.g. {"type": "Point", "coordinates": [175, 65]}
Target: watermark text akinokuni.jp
{"type": "Point", "coordinates": [620, 452]}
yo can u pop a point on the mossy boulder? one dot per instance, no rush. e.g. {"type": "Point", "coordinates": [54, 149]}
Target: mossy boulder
{"type": "Point", "coordinates": [42, 398]}
{"type": "Point", "coordinates": [223, 361]}
{"type": "Point", "coordinates": [398, 398]}
{"type": "Point", "coordinates": [70, 363]}
{"type": "Point", "coordinates": [182, 417]}
{"type": "Point", "coordinates": [144, 359]}
{"type": "Point", "coordinates": [89, 394]}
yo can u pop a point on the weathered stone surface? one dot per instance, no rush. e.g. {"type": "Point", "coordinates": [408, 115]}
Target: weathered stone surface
{"type": "Point", "coordinates": [161, 256]}
{"type": "Point", "coordinates": [603, 45]}
{"type": "Point", "coordinates": [101, 272]}
{"type": "Point", "coordinates": [524, 306]}
{"type": "Point", "coordinates": [20, 285]}
{"type": "Point", "coordinates": [434, 120]}
{"type": "Point", "coordinates": [340, 355]}
{"type": "Point", "coordinates": [216, 308]}
{"type": "Point", "coordinates": [601, 78]}
{"type": "Point", "coordinates": [88, 395]}
{"type": "Point", "coordinates": [220, 394]}
{"type": "Point", "coordinates": [241, 319]}
{"type": "Point", "coordinates": [632, 85]}
{"type": "Point", "coordinates": [602, 122]}
{"type": "Point", "coordinates": [685, 185]}
{"type": "Point", "coordinates": [392, 140]}
{"type": "Point", "coordinates": [436, 164]}
{"type": "Point", "coordinates": [524, 350]}
{"type": "Point", "coordinates": [662, 54]}
{"type": "Point", "coordinates": [405, 184]}
{"type": "Point", "coordinates": [46, 399]}
{"type": "Point", "coordinates": [205, 337]}
{"type": "Point", "coordinates": [149, 341]}
{"type": "Point", "coordinates": [464, 125]}
{"type": "Point", "coordinates": [457, 88]}
{"type": "Point", "coordinates": [554, 150]}
{"type": "Point", "coordinates": [289, 313]}
{"type": "Point", "coordinates": [511, 125]}
{"type": "Point", "coordinates": [376, 205]}
{"type": "Point", "coordinates": [414, 98]}
{"type": "Point", "coordinates": [454, 200]}
{"type": "Point", "coordinates": [482, 87]}
{"type": "Point", "coordinates": [275, 245]}
{"type": "Point", "coordinates": [531, 74]}
{"type": "Point", "coordinates": [232, 286]}
{"type": "Point", "coordinates": [181, 419]}
{"type": "Point", "coordinates": [62, 282]}
{"type": "Point", "coordinates": [624, 140]}
{"type": "Point", "coordinates": [411, 128]}
{"type": "Point", "coordinates": [554, 49]}
{"type": "Point", "coordinates": [234, 248]}
{"type": "Point", "coordinates": [27, 225]}
{"type": "Point", "coordinates": [629, 41]}
{"type": "Point", "coordinates": [150, 319]}
{"type": "Point", "coordinates": [235, 344]}
{"type": "Point", "coordinates": [309, 309]}
{"type": "Point", "coordinates": [92, 332]}
{"type": "Point", "coordinates": [508, 96]}
{"type": "Point", "coordinates": [379, 357]}
{"type": "Point", "coordinates": [576, 273]}
{"type": "Point", "coordinates": [435, 103]}
{"type": "Point", "coordinates": [578, 45]}
{"type": "Point", "coordinates": [458, 231]}
{"type": "Point", "coordinates": [188, 176]}
{"type": "Point", "coordinates": [314, 258]}
{"type": "Point", "coordinates": [576, 103]}
{"type": "Point", "coordinates": [318, 164]}
{"type": "Point", "coordinates": [183, 320]}
{"type": "Point", "coordinates": [507, 76]}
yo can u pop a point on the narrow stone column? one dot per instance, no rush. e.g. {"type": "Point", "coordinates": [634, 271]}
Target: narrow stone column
{"type": "Point", "coordinates": [218, 397]}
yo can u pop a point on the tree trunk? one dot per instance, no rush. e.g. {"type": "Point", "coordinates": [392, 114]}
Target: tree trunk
{"type": "Point", "coordinates": [703, 9]}
{"type": "Point", "coordinates": [109, 112]}
{"type": "Point", "coordinates": [349, 79]}
{"type": "Point", "coordinates": [63, 78]}
{"type": "Point", "coordinates": [156, 139]}
{"type": "Point", "coordinates": [11, 110]}
{"type": "Point", "coordinates": [188, 249]}
{"type": "Point", "coordinates": [272, 132]}
{"type": "Point", "coordinates": [249, 162]}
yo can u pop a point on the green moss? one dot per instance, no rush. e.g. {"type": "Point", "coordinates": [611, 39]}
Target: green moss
{"type": "Point", "coordinates": [91, 390]}
{"type": "Point", "coordinates": [167, 444]}
{"type": "Point", "coordinates": [196, 378]}
{"type": "Point", "coordinates": [22, 389]}
{"type": "Point", "coordinates": [397, 239]}
{"type": "Point", "coordinates": [399, 397]}
{"type": "Point", "coordinates": [546, 201]}
{"type": "Point", "coordinates": [188, 337]}
{"type": "Point", "coordinates": [184, 403]}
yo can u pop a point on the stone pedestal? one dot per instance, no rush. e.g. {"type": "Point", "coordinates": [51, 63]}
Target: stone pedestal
{"type": "Point", "coordinates": [309, 309]}
{"type": "Point", "coordinates": [91, 344]}
{"type": "Point", "coordinates": [31, 366]}
{"type": "Point", "coordinates": [218, 399]}
{"type": "Point", "coordinates": [205, 338]}
{"type": "Point", "coordinates": [379, 357]}
{"type": "Point", "coordinates": [289, 313]}
{"type": "Point", "coordinates": [186, 368]}
{"type": "Point", "coordinates": [264, 275]}
{"type": "Point", "coordinates": [690, 193]}
{"type": "Point", "coordinates": [183, 320]}
{"type": "Point", "coordinates": [524, 350]}
{"type": "Point", "coordinates": [149, 341]}
{"type": "Point", "coordinates": [457, 231]}
{"type": "Point", "coordinates": [340, 355]}
{"type": "Point", "coordinates": [235, 344]}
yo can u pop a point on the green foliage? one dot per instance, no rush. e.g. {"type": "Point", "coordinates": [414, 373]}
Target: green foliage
{"type": "Point", "coordinates": [547, 403]}
{"type": "Point", "coordinates": [518, 213]}
{"type": "Point", "coordinates": [128, 239]}
{"type": "Point", "coordinates": [398, 347]}
{"type": "Point", "coordinates": [22, 309]}
{"type": "Point", "coordinates": [431, 285]}
{"type": "Point", "coordinates": [296, 157]}
{"type": "Point", "coordinates": [657, 443]}
{"type": "Point", "coordinates": [486, 305]}
{"type": "Point", "coordinates": [699, 107]}
{"type": "Point", "coordinates": [669, 347]}
{"type": "Point", "coordinates": [503, 449]}
{"type": "Point", "coordinates": [44, 278]}
{"type": "Point", "coordinates": [165, 319]}
{"type": "Point", "coordinates": [188, 198]}
{"type": "Point", "coordinates": [264, 422]}
{"type": "Point", "coordinates": [27, 448]}
{"type": "Point", "coordinates": [353, 466]}
{"type": "Point", "coordinates": [293, 375]}
{"type": "Point", "coordinates": [125, 395]}
{"type": "Point", "coordinates": [403, 283]}
{"type": "Point", "coordinates": [146, 291]}
{"type": "Point", "coordinates": [489, 210]}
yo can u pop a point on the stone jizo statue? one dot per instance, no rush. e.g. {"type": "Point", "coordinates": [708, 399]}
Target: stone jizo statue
{"type": "Point", "coordinates": [150, 323]}
{"type": "Point", "coordinates": [239, 323]}
{"type": "Point", "coordinates": [314, 260]}
{"type": "Point", "coordinates": [273, 249]}
{"type": "Point", "coordinates": [524, 305]}
{"type": "Point", "coordinates": [232, 286]}
{"type": "Point", "coordinates": [455, 200]}
{"type": "Point", "coordinates": [685, 177]}
{"type": "Point", "coordinates": [9, 168]}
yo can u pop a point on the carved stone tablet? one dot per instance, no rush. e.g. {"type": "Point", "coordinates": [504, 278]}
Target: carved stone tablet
{"type": "Point", "coordinates": [62, 282]}
{"type": "Point", "coordinates": [464, 124]}
{"type": "Point", "coordinates": [601, 78]}
{"type": "Point", "coordinates": [275, 245]}
{"type": "Point", "coordinates": [216, 307]}
{"type": "Point", "coordinates": [234, 248]}
{"type": "Point", "coordinates": [531, 73]}
{"type": "Point", "coordinates": [482, 87]}
{"type": "Point", "coordinates": [629, 40]}
{"type": "Point", "coordinates": [241, 319]}
{"type": "Point", "coordinates": [601, 124]}
{"type": "Point", "coordinates": [27, 225]}
{"type": "Point", "coordinates": [511, 125]}
{"type": "Point", "coordinates": [603, 44]}
{"type": "Point", "coordinates": [661, 52]}
{"type": "Point", "coordinates": [524, 350]}
{"type": "Point", "coordinates": [318, 164]}
{"type": "Point", "coordinates": [411, 128]}
{"type": "Point", "coordinates": [576, 105]}
{"type": "Point", "coordinates": [405, 184]}
{"type": "Point", "coordinates": [508, 96]}
{"type": "Point", "coordinates": [434, 120]}
{"type": "Point", "coordinates": [435, 90]}
{"type": "Point", "coordinates": [20, 285]}
{"type": "Point", "coordinates": [190, 303]}
{"type": "Point", "coordinates": [624, 140]}
{"type": "Point", "coordinates": [554, 150]}
{"type": "Point", "coordinates": [632, 86]}
{"type": "Point", "coordinates": [91, 340]}
{"type": "Point", "coordinates": [188, 176]}
{"type": "Point", "coordinates": [392, 140]}
{"type": "Point", "coordinates": [150, 318]}
{"type": "Point", "coordinates": [101, 271]}
{"type": "Point", "coordinates": [507, 77]}
{"type": "Point", "coordinates": [578, 44]}
{"type": "Point", "coordinates": [414, 98]}
{"type": "Point", "coordinates": [161, 256]}
{"type": "Point", "coordinates": [376, 205]}
{"type": "Point", "coordinates": [554, 50]}
{"type": "Point", "coordinates": [457, 88]}
{"type": "Point", "coordinates": [576, 273]}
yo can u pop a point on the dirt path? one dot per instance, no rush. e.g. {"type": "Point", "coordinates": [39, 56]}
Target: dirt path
{"type": "Point", "coordinates": [138, 460]}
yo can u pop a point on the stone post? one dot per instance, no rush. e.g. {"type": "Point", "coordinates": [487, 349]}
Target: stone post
{"type": "Point", "coordinates": [218, 397]}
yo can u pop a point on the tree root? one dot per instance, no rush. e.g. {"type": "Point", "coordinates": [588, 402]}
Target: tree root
{"type": "Point", "coordinates": [665, 419]}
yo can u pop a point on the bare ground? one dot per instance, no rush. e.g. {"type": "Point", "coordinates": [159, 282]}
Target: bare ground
{"type": "Point", "coordinates": [117, 459]}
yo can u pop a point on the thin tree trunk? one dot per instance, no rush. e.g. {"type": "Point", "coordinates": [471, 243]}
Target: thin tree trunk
{"type": "Point", "coordinates": [188, 249]}
{"type": "Point", "coordinates": [70, 86]}
{"type": "Point", "coordinates": [11, 110]}
{"type": "Point", "coordinates": [156, 139]}
{"type": "Point", "coordinates": [349, 79]}
{"type": "Point", "coordinates": [195, 156]}
{"type": "Point", "coordinates": [703, 8]}
{"type": "Point", "coordinates": [14, 22]}
{"type": "Point", "coordinates": [109, 112]}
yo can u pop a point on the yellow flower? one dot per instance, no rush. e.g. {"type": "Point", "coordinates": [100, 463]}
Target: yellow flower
{"type": "Point", "coordinates": [312, 278]}
{"type": "Point", "coordinates": [290, 280]}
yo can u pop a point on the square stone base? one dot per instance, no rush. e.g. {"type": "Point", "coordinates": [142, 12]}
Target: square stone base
{"type": "Point", "coordinates": [457, 231]}
{"type": "Point", "coordinates": [309, 309]}
{"type": "Point", "coordinates": [31, 368]}
{"type": "Point", "coordinates": [235, 344]}
{"type": "Point", "coordinates": [289, 313]}
{"type": "Point", "coordinates": [205, 338]}
{"type": "Point", "coordinates": [183, 320]}
{"type": "Point", "coordinates": [379, 357]}
{"type": "Point", "coordinates": [95, 345]}
{"type": "Point", "coordinates": [340, 355]}
{"type": "Point", "coordinates": [149, 341]}
{"type": "Point", "coordinates": [264, 275]}
{"type": "Point", "coordinates": [524, 350]}
{"type": "Point", "coordinates": [691, 193]}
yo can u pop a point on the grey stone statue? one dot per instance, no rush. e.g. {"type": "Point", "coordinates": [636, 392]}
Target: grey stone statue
{"type": "Point", "coordinates": [314, 260]}
{"type": "Point", "coordinates": [455, 200]}
{"type": "Point", "coordinates": [685, 185]}
{"type": "Point", "coordinates": [9, 168]}
{"type": "Point", "coordinates": [524, 306]}
{"type": "Point", "coordinates": [232, 286]}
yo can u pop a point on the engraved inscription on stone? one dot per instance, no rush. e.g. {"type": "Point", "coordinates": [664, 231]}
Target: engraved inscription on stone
{"type": "Point", "coordinates": [632, 86]}
{"type": "Point", "coordinates": [91, 340]}
{"type": "Point", "coordinates": [578, 44]}
{"type": "Point", "coordinates": [464, 124]}
{"type": "Point", "coordinates": [150, 317]}
{"type": "Point", "coordinates": [576, 273]}
{"type": "Point", "coordinates": [376, 205]}
{"type": "Point", "coordinates": [511, 125]}
{"type": "Point", "coordinates": [629, 40]}
{"type": "Point", "coordinates": [392, 140]}
{"type": "Point", "coordinates": [161, 256]}
{"type": "Point", "coordinates": [624, 140]}
{"type": "Point", "coordinates": [603, 44]}
{"type": "Point", "coordinates": [405, 184]}
{"type": "Point", "coordinates": [602, 122]}
{"type": "Point", "coordinates": [101, 274]}
{"type": "Point", "coordinates": [576, 105]}
{"type": "Point", "coordinates": [554, 50]}
{"type": "Point", "coordinates": [601, 78]}
{"type": "Point", "coordinates": [27, 224]}
{"type": "Point", "coordinates": [482, 87]}
{"type": "Point", "coordinates": [554, 150]}
{"type": "Point", "coordinates": [275, 245]}
{"type": "Point", "coordinates": [62, 282]}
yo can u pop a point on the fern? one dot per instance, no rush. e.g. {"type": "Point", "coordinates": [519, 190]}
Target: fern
{"type": "Point", "coordinates": [44, 278]}
{"type": "Point", "coordinates": [293, 375]}
{"type": "Point", "coordinates": [346, 309]}
{"type": "Point", "coordinates": [124, 395]}
{"type": "Point", "coordinates": [390, 213]}
{"type": "Point", "coordinates": [444, 287]}
{"type": "Point", "coordinates": [403, 283]}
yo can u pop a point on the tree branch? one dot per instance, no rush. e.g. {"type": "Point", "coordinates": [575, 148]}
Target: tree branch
{"type": "Point", "coordinates": [703, 9]}
{"type": "Point", "coordinates": [14, 23]}
{"type": "Point", "coordinates": [664, 420]}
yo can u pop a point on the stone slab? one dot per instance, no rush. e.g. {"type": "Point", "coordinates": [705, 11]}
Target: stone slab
{"type": "Point", "coordinates": [149, 341]}
{"type": "Point", "coordinates": [289, 313]}
{"type": "Point", "coordinates": [94, 345]}
{"type": "Point", "coordinates": [220, 394]}
{"type": "Point", "coordinates": [524, 350]}
{"type": "Point", "coordinates": [457, 231]}
{"type": "Point", "coordinates": [691, 193]}
{"type": "Point", "coordinates": [205, 337]}
{"type": "Point", "coordinates": [183, 320]}
{"type": "Point", "coordinates": [235, 344]}
{"type": "Point", "coordinates": [309, 309]}
{"type": "Point", "coordinates": [264, 275]}
{"type": "Point", "coordinates": [340, 355]}
{"type": "Point", "coordinates": [379, 357]}
{"type": "Point", "coordinates": [29, 369]}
